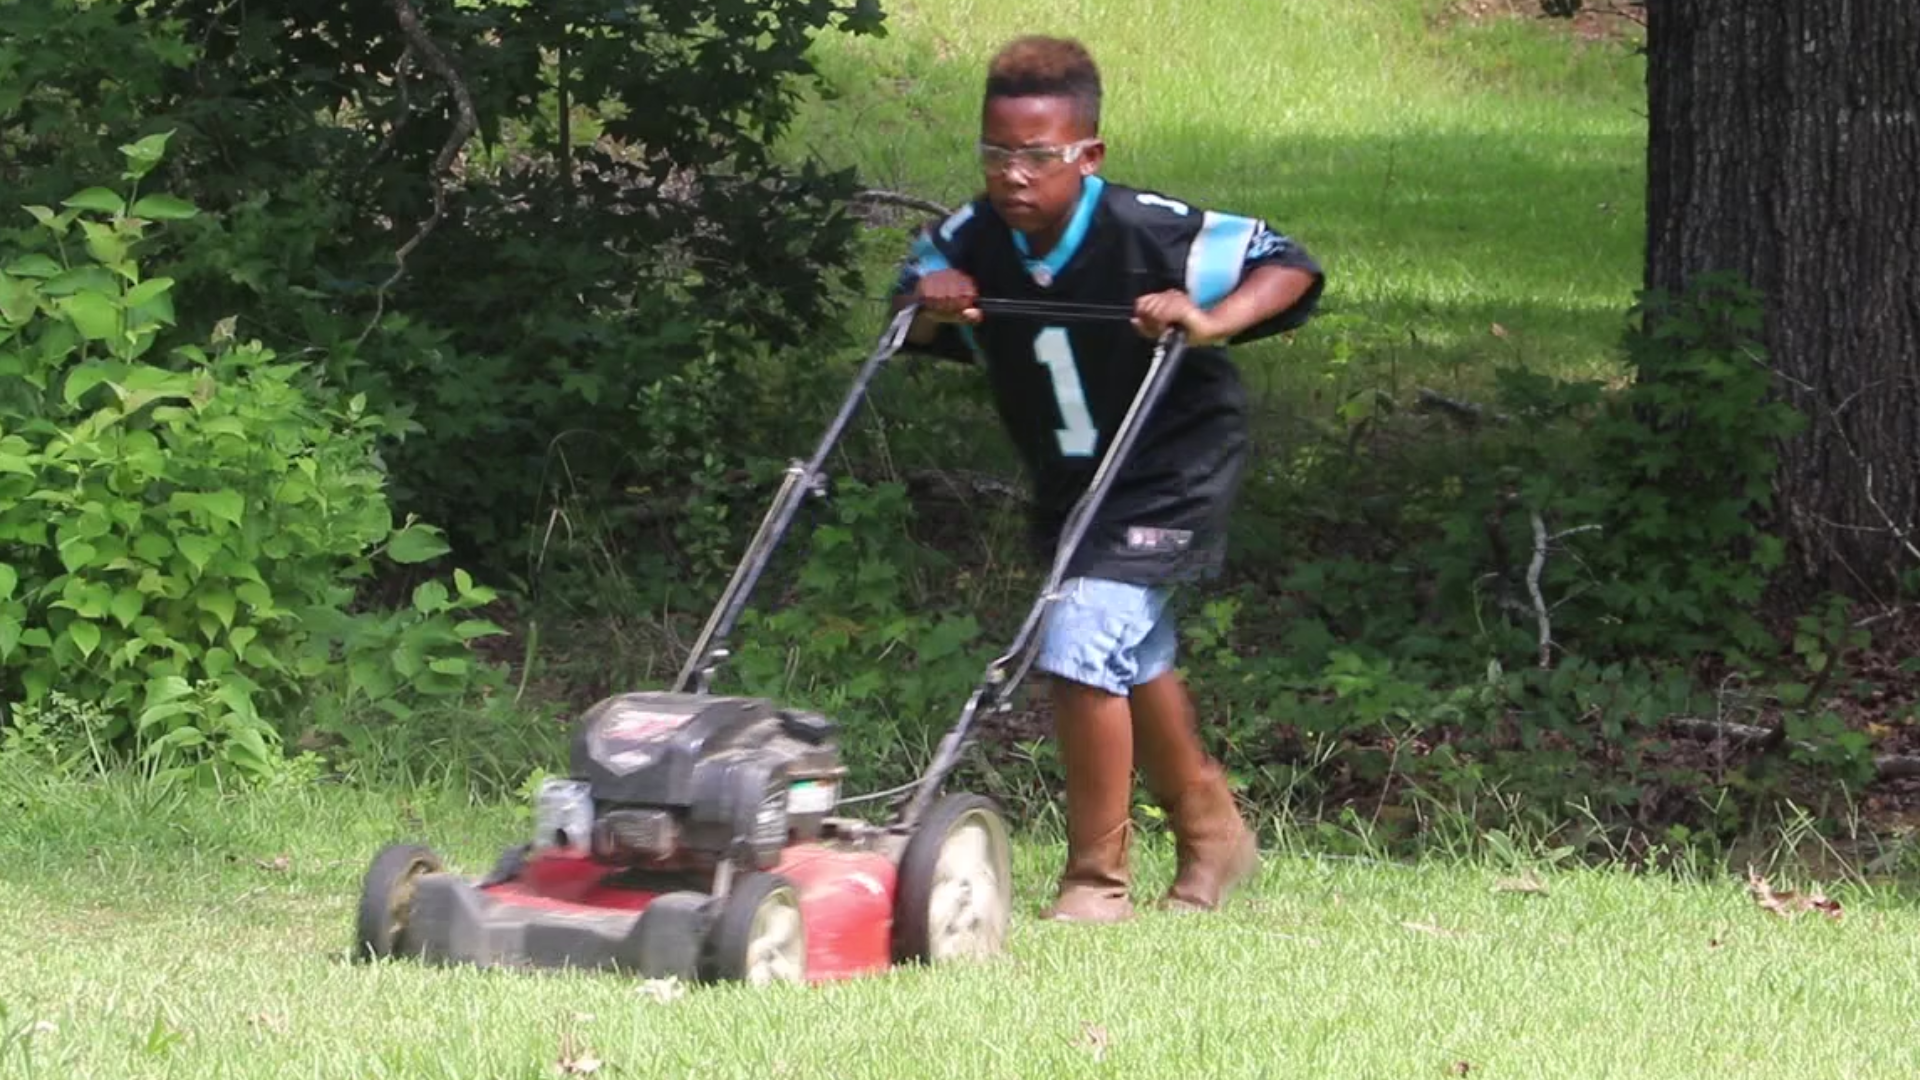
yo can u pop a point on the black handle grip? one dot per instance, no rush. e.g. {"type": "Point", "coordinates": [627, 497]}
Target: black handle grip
{"type": "Point", "coordinates": [1055, 310]}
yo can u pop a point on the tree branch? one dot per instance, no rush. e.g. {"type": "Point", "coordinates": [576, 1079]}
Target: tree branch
{"type": "Point", "coordinates": [463, 128]}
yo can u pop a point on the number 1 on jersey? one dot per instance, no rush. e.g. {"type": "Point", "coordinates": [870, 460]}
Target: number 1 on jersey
{"type": "Point", "coordinates": [1055, 349]}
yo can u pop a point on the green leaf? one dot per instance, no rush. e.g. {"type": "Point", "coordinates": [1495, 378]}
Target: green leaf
{"type": "Point", "coordinates": [164, 208]}
{"type": "Point", "coordinates": [85, 377]}
{"type": "Point", "coordinates": [220, 603]}
{"type": "Point", "coordinates": [127, 604]}
{"type": "Point", "coordinates": [226, 505]}
{"type": "Point", "coordinates": [372, 677]}
{"type": "Point", "coordinates": [34, 266]}
{"type": "Point", "coordinates": [147, 291]}
{"type": "Point", "coordinates": [430, 597]}
{"type": "Point", "coordinates": [9, 635]}
{"type": "Point", "coordinates": [105, 244]}
{"type": "Point", "coordinates": [9, 580]}
{"type": "Point", "coordinates": [468, 629]}
{"type": "Point", "coordinates": [18, 301]}
{"type": "Point", "coordinates": [93, 314]}
{"type": "Point", "coordinates": [76, 555]}
{"type": "Point", "coordinates": [86, 635]}
{"type": "Point", "coordinates": [82, 279]}
{"type": "Point", "coordinates": [416, 544]}
{"type": "Point", "coordinates": [450, 665]}
{"type": "Point", "coordinates": [197, 549]}
{"type": "Point", "coordinates": [143, 154]}
{"type": "Point", "coordinates": [97, 198]}
{"type": "Point", "coordinates": [152, 546]}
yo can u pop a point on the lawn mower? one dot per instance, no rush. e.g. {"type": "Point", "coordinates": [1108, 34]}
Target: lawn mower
{"type": "Point", "coordinates": [696, 834]}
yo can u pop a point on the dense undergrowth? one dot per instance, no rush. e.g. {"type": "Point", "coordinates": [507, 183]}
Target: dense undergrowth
{"type": "Point", "coordinates": [279, 515]}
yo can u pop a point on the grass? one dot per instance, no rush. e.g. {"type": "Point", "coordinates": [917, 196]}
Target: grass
{"type": "Point", "coordinates": [154, 938]}
{"type": "Point", "coordinates": [1450, 176]}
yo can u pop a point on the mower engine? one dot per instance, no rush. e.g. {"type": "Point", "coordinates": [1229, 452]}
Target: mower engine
{"type": "Point", "coordinates": [688, 781]}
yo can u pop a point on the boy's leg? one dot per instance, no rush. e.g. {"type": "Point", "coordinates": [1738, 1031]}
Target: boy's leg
{"type": "Point", "coordinates": [1094, 734]}
{"type": "Point", "coordinates": [1088, 646]}
{"type": "Point", "coordinates": [1214, 847]}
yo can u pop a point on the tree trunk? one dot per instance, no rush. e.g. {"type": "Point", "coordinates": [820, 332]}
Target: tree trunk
{"type": "Point", "coordinates": [1784, 145]}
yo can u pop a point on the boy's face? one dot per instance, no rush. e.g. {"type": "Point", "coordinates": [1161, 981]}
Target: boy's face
{"type": "Point", "coordinates": [1034, 189]}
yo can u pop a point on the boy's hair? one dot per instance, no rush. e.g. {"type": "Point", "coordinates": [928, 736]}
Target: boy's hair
{"type": "Point", "coordinates": [1040, 66]}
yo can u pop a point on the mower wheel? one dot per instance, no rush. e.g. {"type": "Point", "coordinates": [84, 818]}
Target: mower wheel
{"type": "Point", "coordinates": [757, 936]}
{"type": "Point", "coordinates": [954, 899]}
{"type": "Point", "coordinates": [386, 897]}
{"type": "Point", "coordinates": [667, 939]}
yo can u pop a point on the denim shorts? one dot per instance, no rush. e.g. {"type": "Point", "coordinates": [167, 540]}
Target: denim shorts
{"type": "Point", "coordinates": [1107, 634]}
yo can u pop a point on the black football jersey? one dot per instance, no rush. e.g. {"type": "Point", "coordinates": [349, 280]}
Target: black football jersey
{"type": "Point", "coordinates": [1062, 390]}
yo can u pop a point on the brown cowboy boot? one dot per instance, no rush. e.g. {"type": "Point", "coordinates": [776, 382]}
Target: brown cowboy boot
{"type": "Point", "coordinates": [1214, 849]}
{"type": "Point", "coordinates": [1096, 748]}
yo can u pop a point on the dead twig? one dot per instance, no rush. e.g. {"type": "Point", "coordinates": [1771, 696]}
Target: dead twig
{"type": "Point", "coordinates": [901, 199]}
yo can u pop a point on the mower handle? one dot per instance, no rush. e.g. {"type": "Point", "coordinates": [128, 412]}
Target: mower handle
{"type": "Point", "coordinates": [996, 685]}
{"type": "Point", "coordinates": [805, 478]}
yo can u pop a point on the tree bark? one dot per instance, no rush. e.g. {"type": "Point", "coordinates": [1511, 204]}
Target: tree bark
{"type": "Point", "coordinates": [1784, 145]}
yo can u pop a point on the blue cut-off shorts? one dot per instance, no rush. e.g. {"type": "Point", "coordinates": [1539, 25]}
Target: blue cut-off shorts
{"type": "Point", "coordinates": [1107, 634]}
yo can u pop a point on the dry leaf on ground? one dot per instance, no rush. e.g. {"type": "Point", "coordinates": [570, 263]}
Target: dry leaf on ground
{"type": "Point", "coordinates": [575, 1060]}
{"type": "Point", "coordinates": [661, 990]}
{"type": "Point", "coordinates": [1528, 883]}
{"type": "Point", "coordinates": [1789, 903]}
{"type": "Point", "coordinates": [1429, 928]}
{"type": "Point", "coordinates": [1094, 1039]}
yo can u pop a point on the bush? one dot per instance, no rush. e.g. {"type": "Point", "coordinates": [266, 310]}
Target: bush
{"type": "Point", "coordinates": [182, 530]}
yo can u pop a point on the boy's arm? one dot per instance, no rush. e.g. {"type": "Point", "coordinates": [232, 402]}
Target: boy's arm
{"type": "Point", "coordinates": [1275, 287]}
{"type": "Point", "coordinates": [1266, 295]}
{"type": "Point", "coordinates": [945, 296]}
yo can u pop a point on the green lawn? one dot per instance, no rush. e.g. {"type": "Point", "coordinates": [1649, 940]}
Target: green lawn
{"type": "Point", "coordinates": [203, 940]}
{"type": "Point", "coordinates": [1449, 178]}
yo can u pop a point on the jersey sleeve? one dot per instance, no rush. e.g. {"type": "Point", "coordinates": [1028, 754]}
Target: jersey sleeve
{"type": "Point", "coordinates": [939, 246]}
{"type": "Point", "coordinates": [1209, 253]}
{"type": "Point", "coordinates": [1228, 247]}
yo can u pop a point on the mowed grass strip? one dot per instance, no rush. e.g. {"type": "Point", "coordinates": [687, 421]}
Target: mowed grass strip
{"type": "Point", "coordinates": [209, 939]}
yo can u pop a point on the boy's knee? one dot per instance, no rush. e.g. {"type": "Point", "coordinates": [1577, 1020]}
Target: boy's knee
{"type": "Point", "coordinates": [1109, 635]}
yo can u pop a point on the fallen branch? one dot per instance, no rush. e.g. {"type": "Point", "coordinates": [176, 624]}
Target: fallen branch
{"type": "Point", "coordinates": [1541, 542]}
{"type": "Point", "coordinates": [1465, 411]}
{"type": "Point", "coordinates": [1737, 735]}
{"type": "Point", "coordinates": [959, 485]}
{"type": "Point", "coordinates": [1538, 564]}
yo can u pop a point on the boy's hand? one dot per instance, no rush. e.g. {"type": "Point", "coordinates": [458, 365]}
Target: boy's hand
{"type": "Point", "coordinates": [1155, 312]}
{"type": "Point", "coordinates": [948, 296]}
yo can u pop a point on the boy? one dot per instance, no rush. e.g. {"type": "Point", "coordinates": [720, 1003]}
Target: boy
{"type": "Point", "coordinates": [1049, 227]}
